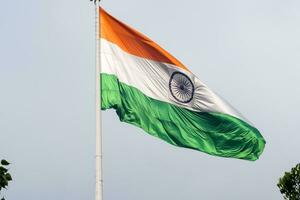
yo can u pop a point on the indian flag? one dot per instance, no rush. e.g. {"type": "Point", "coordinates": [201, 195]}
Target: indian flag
{"type": "Point", "coordinates": [151, 89]}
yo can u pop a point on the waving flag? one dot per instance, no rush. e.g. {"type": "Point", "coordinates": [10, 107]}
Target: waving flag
{"type": "Point", "coordinates": [151, 89]}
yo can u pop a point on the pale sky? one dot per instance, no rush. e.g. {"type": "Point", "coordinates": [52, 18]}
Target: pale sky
{"type": "Point", "coordinates": [246, 51]}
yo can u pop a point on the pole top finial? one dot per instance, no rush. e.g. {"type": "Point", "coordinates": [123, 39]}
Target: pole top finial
{"type": "Point", "coordinates": [95, 1]}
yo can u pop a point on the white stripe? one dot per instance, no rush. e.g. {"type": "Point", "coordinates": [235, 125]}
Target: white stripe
{"type": "Point", "coordinates": [152, 78]}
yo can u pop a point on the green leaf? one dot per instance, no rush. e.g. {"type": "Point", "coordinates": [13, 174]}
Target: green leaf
{"type": "Point", "coordinates": [8, 177]}
{"type": "Point", "coordinates": [2, 170]}
{"type": "Point", "coordinates": [4, 162]}
{"type": "Point", "coordinates": [3, 182]}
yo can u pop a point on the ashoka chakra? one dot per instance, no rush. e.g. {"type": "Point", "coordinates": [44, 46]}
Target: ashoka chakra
{"type": "Point", "coordinates": [181, 87]}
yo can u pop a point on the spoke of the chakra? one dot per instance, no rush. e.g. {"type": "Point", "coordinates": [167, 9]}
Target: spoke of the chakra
{"type": "Point", "coordinates": [181, 79]}
{"type": "Point", "coordinates": [176, 82]}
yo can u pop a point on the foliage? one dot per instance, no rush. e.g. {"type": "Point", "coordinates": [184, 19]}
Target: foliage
{"type": "Point", "coordinates": [289, 184]}
{"type": "Point", "coordinates": [5, 177]}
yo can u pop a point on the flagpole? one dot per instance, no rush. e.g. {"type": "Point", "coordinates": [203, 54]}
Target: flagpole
{"type": "Point", "coordinates": [98, 157]}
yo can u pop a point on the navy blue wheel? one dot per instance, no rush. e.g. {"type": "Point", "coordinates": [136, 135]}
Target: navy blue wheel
{"type": "Point", "coordinates": [181, 87]}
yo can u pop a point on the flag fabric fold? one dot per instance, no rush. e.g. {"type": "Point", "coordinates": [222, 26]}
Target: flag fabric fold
{"type": "Point", "coordinates": [151, 89]}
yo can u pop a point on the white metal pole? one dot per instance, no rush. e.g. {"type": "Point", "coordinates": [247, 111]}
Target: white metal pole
{"type": "Point", "coordinates": [99, 180]}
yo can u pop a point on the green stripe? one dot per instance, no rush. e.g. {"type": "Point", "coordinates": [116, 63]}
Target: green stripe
{"type": "Point", "coordinates": [213, 133]}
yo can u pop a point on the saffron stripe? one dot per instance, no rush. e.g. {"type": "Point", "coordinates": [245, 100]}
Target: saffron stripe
{"type": "Point", "coordinates": [133, 41]}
